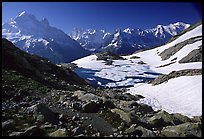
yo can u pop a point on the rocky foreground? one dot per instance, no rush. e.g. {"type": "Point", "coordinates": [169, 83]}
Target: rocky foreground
{"type": "Point", "coordinates": [85, 111]}
{"type": "Point", "coordinates": [59, 107]}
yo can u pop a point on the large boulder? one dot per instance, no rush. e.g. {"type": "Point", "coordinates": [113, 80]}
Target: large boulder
{"type": "Point", "coordinates": [59, 133]}
{"type": "Point", "coordinates": [8, 125]}
{"type": "Point", "coordinates": [88, 97]}
{"type": "Point", "coordinates": [41, 110]}
{"type": "Point", "coordinates": [197, 119]}
{"type": "Point", "coordinates": [34, 131]}
{"type": "Point", "coordinates": [180, 119]}
{"type": "Point", "coordinates": [77, 131]}
{"type": "Point", "coordinates": [139, 131]}
{"type": "Point", "coordinates": [90, 107]}
{"type": "Point", "coordinates": [123, 115]}
{"type": "Point", "coordinates": [145, 132]}
{"type": "Point", "coordinates": [182, 130]}
{"type": "Point", "coordinates": [133, 131]}
{"type": "Point", "coordinates": [161, 119]}
{"type": "Point", "coordinates": [108, 104]}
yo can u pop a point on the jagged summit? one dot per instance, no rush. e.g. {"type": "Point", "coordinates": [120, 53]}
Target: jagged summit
{"type": "Point", "coordinates": [128, 40]}
{"type": "Point", "coordinates": [38, 37]}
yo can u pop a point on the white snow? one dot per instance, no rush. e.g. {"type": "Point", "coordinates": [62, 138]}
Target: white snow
{"type": "Point", "coordinates": [122, 72]}
{"type": "Point", "coordinates": [179, 95]}
{"type": "Point", "coordinates": [22, 13]}
{"type": "Point", "coordinates": [43, 41]}
{"type": "Point", "coordinates": [127, 30]}
{"type": "Point", "coordinates": [106, 34]}
{"type": "Point", "coordinates": [154, 60]}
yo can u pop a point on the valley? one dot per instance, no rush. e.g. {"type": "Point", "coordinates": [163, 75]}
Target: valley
{"type": "Point", "coordinates": [56, 85]}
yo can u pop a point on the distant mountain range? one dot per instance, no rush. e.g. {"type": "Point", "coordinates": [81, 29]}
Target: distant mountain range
{"type": "Point", "coordinates": [38, 37]}
{"type": "Point", "coordinates": [128, 40]}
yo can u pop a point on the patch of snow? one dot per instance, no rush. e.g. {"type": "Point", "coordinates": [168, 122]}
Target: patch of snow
{"type": "Point", "coordinates": [22, 13]}
{"type": "Point", "coordinates": [178, 95]}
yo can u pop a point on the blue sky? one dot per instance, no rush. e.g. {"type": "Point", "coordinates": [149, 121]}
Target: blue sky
{"type": "Point", "coordinates": [105, 15]}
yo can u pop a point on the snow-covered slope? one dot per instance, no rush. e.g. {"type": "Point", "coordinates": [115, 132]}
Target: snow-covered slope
{"type": "Point", "coordinates": [180, 94]}
{"type": "Point", "coordinates": [38, 37]}
{"type": "Point", "coordinates": [154, 60]}
{"type": "Point", "coordinates": [128, 40]}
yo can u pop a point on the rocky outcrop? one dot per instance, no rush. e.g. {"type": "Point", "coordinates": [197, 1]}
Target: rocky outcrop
{"type": "Point", "coordinates": [193, 56]}
{"type": "Point", "coordinates": [107, 55]}
{"type": "Point", "coordinates": [36, 67]}
{"type": "Point", "coordinates": [182, 130]}
{"type": "Point", "coordinates": [167, 53]}
{"type": "Point", "coordinates": [187, 72]}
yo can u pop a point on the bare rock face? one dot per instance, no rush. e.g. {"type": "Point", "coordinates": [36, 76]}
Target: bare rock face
{"type": "Point", "coordinates": [193, 56]}
{"type": "Point", "coordinates": [187, 72]}
{"type": "Point", "coordinates": [182, 130]}
{"type": "Point", "coordinates": [167, 53]}
{"type": "Point", "coordinates": [47, 113]}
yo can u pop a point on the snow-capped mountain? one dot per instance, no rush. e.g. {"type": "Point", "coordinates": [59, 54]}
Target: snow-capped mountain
{"type": "Point", "coordinates": [127, 41]}
{"type": "Point", "coordinates": [91, 39]}
{"type": "Point", "coordinates": [38, 37]}
{"type": "Point", "coordinates": [166, 32]}
{"type": "Point", "coordinates": [173, 72]}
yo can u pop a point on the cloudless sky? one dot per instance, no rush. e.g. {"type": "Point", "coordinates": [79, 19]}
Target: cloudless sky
{"type": "Point", "coordinates": [106, 15]}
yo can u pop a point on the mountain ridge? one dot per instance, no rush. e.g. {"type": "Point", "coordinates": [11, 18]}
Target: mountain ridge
{"type": "Point", "coordinates": [129, 38]}
{"type": "Point", "coordinates": [38, 37]}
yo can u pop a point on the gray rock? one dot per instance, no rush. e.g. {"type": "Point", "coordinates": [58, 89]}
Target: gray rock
{"type": "Point", "coordinates": [145, 108]}
{"type": "Point", "coordinates": [141, 62]}
{"type": "Point", "coordinates": [89, 97]}
{"type": "Point", "coordinates": [108, 104]}
{"type": "Point", "coordinates": [182, 130]}
{"type": "Point", "coordinates": [62, 98]}
{"type": "Point", "coordinates": [8, 125]}
{"type": "Point", "coordinates": [132, 130]}
{"type": "Point", "coordinates": [16, 134]}
{"type": "Point", "coordinates": [179, 118]}
{"type": "Point", "coordinates": [186, 72]}
{"type": "Point", "coordinates": [123, 115]}
{"type": "Point", "coordinates": [78, 93]}
{"type": "Point", "coordinates": [133, 104]}
{"type": "Point", "coordinates": [146, 132]}
{"type": "Point", "coordinates": [194, 56]}
{"type": "Point", "coordinates": [76, 106]}
{"type": "Point", "coordinates": [34, 131]}
{"type": "Point", "coordinates": [161, 119]}
{"type": "Point", "coordinates": [167, 53]}
{"type": "Point", "coordinates": [90, 107]}
{"type": "Point", "coordinates": [197, 119]}
{"type": "Point", "coordinates": [59, 133]}
{"type": "Point", "coordinates": [40, 118]}
{"type": "Point", "coordinates": [49, 115]}
{"type": "Point", "coordinates": [77, 131]}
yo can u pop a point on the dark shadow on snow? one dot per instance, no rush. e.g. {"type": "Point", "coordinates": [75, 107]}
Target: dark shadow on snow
{"type": "Point", "coordinates": [89, 75]}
